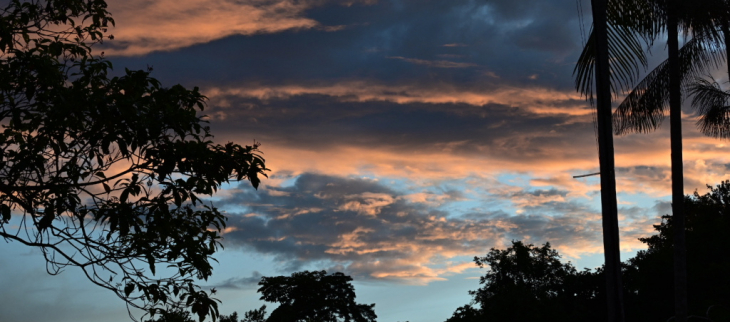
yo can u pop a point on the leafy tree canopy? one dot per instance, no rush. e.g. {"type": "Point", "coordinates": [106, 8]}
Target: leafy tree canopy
{"type": "Point", "coordinates": [314, 296]}
{"type": "Point", "coordinates": [105, 173]}
{"type": "Point", "coordinates": [529, 283]}
{"type": "Point", "coordinates": [648, 275]}
{"type": "Point", "coordinates": [174, 315]}
{"type": "Point", "coordinates": [258, 315]}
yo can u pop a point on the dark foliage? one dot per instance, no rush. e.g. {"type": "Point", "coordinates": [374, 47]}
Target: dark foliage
{"type": "Point", "coordinates": [314, 296]}
{"type": "Point", "coordinates": [258, 315]}
{"type": "Point", "coordinates": [233, 317]}
{"type": "Point", "coordinates": [529, 283]}
{"type": "Point", "coordinates": [105, 173]}
{"type": "Point", "coordinates": [648, 279]}
{"type": "Point", "coordinates": [174, 315]}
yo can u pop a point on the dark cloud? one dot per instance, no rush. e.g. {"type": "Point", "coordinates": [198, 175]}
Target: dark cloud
{"type": "Point", "coordinates": [321, 121]}
{"type": "Point", "coordinates": [250, 282]}
{"type": "Point", "coordinates": [643, 173]}
{"type": "Point", "coordinates": [492, 36]}
{"type": "Point", "coordinates": [372, 231]}
{"type": "Point", "coordinates": [540, 193]}
{"type": "Point", "coordinates": [546, 36]}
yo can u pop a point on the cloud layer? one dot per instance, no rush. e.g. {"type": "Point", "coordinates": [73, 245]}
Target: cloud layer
{"type": "Point", "coordinates": [372, 231]}
{"type": "Point", "coordinates": [146, 26]}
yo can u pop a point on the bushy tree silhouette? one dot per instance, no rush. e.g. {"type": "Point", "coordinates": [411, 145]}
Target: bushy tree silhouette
{"type": "Point", "coordinates": [174, 315]}
{"type": "Point", "coordinates": [648, 281]}
{"type": "Point", "coordinates": [314, 296]}
{"type": "Point", "coordinates": [529, 283]}
{"type": "Point", "coordinates": [105, 173]}
{"type": "Point", "coordinates": [257, 315]}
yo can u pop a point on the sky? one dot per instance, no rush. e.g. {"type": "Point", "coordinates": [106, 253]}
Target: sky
{"type": "Point", "coordinates": [403, 137]}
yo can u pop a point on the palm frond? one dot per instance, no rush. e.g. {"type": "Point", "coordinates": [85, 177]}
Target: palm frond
{"type": "Point", "coordinates": [643, 109]}
{"type": "Point", "coordinates": [629, 21]}
{"type": "Point", "coordinates": [702, 18]}
{"type": "Point", "coordinates": [711, 103]}
{"type": "Point", "coordinates": [645, 17]}
{"type": "Point", "coordinates": [626, 61]}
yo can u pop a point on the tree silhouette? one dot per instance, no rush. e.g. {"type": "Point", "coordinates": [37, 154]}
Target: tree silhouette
{"type": "Point", "coordinates": [529, 283]}
{"type": "Point", "coordinates": [174, 315]}
{"type": "Point", "coordinates": [609, 207]}
{"type": "Point", "coordinates": [643, 109]}
{"type": "Point", "coordinates": [648, 274]}
{"type": "Point", "coordinates": [257, 315]}
{"type": "Point", "coordinates": [314, 296]}
{"type": "Point", "coordinates": [611, 40]}
{"type": "Point", "coordinates": [105, 173]}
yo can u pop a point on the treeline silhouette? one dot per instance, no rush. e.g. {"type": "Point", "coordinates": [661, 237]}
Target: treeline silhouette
{"type": "Point", "coordinates": [529, 283]}
{"type": "Point", "coordinates": [304, 296]}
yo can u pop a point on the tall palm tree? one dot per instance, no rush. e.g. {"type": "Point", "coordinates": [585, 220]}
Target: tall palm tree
{"type": "Point", "coordinates": [600, 46]}
{"type": "Point", "coordinates": [609, 208]}
{"type": "Point", "coordinates": [675, 133]}
{"type": "Point", "coordinates": [633, 117]}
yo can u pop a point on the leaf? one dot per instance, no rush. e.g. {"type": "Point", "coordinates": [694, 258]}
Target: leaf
{"type": "Point", "coordinates": [123, 197]}
{"type": "Point", "coordinates": [151, 262]}
{"type": "Point", "coordinates": [128, 289]}
{"type": "Point", "coordinates": [5, 210]}
{"type": "Point", "coordinates": [178, 199]}
{"type": "Point", "coordinates": [123, 147]}
{"type": "Point", "coordinates": [107, 188]}
{"type": "Point", "coordinates": [46, 221]}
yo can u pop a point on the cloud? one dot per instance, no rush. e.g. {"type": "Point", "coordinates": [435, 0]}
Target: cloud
{"type": "Point", "coordinates": [435, 63]}
{"type": "Point", "coordinates": [415, 133]}
{"type": "Point", "coordinates": [538, 100]}
{"type": "Point", "coordinates": [374, 232]}
{"type": "Point", "coordinates": [250, 282]}
{"type": "Point", "coordinates": [163, 25]}
{"type": "Point", "coordinates": [279, 42]}
{"type": "Point", "coordinates": [468, 92]}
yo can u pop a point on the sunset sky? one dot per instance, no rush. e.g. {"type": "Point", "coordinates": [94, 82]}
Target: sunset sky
{"type": "Point", "coordinates": [404, 137]}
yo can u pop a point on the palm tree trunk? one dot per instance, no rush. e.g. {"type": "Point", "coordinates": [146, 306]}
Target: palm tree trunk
{"type": "Point", "coordinates": [675, 122]}
{"type": "Point", "coordinates": [609, 209]}
{"type": "Point", "coordinates": [726, 34]}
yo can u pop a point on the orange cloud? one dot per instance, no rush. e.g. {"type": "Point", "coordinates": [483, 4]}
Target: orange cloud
{"type": "Point", "coordinates": [535, 99]}
{"type": "Point", "coordinates": [434, 63]}
{"type": "Point", "coordinates": [547, 160]}
{"type": "Point", "coordinates": [146, 26]}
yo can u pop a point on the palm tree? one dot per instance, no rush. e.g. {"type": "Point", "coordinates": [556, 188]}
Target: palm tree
{"type": "Point", "coordinates": [634, 117]}
{"type": "Point", "coordinates": [675, 133]}
{"type": "Point", "coordinates": [609, 208]}
{"type": "Point", "coordinates": [600, 48]}
{"type": "Point", "coordinates": [644, 108]}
